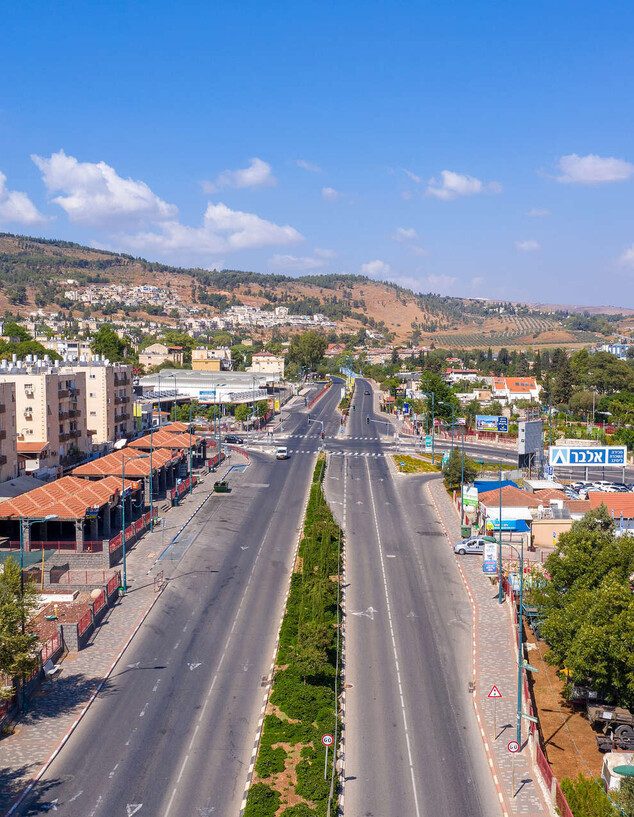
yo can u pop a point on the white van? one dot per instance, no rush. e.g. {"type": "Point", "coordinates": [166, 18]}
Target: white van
{"type": "Point", "coordinates": [282, 453]}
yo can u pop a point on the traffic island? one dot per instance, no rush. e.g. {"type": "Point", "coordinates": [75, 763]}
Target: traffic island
{"type": "Point", "coordinates": [295, 767]}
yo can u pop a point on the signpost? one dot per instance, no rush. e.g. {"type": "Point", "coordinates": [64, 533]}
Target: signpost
{"type": "Point", "coordinates": [495, 694]}
{"type": "Point", "coordinates": [327, 740]}
{"type": "Point", "coordinates": [428, 442]}
{"type": "Point", "coordinates": [445, 458]}
{"type": "Point", "coordinates": [513, 747]}
{"type": "Point", "coordinates": [570, 456]}
{"type": "Point", "coordinates": [491, 422]}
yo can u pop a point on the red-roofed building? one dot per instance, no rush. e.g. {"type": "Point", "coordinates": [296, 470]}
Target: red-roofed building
{"type": "Point", "coordinates": [618, 505]}
{"type": "Point", "coordinates": [509, 389]}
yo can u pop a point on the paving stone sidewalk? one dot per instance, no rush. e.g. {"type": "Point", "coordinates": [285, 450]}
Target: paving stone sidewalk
{"type": "Point", "coordinates": [58, 703]}
{"type": "Point", "coordinates": [495, 655]}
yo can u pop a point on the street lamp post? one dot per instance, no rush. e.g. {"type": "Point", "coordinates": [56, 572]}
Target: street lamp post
{"type": "Point", "coordinates": [462, 483]}
{"type": "Point", "coordinates": [151, 479]}
{"type": "Point", "coordinates": [520, 665]}
{"type": "Point", "coordinates": [451, 405]}
{"type": "Point", "coordinates": [123, 461]}
{"type": "Point", "coordinates": [27, 523]}
{"type": "Point", "coordinates": [500, 596]}
{"type": "Point", "coordinates": [190, 447]}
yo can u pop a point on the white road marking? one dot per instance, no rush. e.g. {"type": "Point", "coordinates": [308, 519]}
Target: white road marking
{"type": "Point", "coordinates": [111, 775]}
{"type": "Point", "coordinates": [132, 808]}
{"type": "Point", "coordinates": [192, 667]}
{"type": "Point", "coordinates": [394, 650]}
{"type": "Point", "coordinates": [79, 794]}
{"type": "Point", "coordinates": [155, 687]}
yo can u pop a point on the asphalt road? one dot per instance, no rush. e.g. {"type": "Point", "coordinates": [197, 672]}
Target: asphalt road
{"type": "Point", "coordinates": [172, 731]}
{"type": "Point", "coordinates": [412, 745]}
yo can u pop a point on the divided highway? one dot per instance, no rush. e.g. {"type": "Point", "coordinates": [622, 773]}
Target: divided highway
{"type": "Point", "coordinates": [171, 733]}
{"type": "Point", "coordinates": [411, 740]}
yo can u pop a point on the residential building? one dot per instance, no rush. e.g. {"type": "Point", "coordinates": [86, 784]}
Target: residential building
{"type": "Point", "coordinates": [458, 375]}
{"type": "Point", "coordinates": [50, 410]}
{"type": "Point", "coordinates": [509, 389]}
{"type": "Point", "coordinates": [109, 398]}
{"type": "Point", "coordinates": [68, 349]}
{"type": "Point", "coordinates": [211, 360]}
{"type": "Point", "coordinates": [8, 447]}
{"type": "Point", "coordinates": [159, 353]}
{"type": "Point", "coordinates": [267, 363]}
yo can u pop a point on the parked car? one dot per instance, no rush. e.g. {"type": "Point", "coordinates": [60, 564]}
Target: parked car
{"type": "Point", "coordinates": [580, 485]}
{"type": "Point", "coordinates": [601, 485]}
{"type": "Point", "coordinates": [570, 493]}
{"type": "Point", "coordinates": [233, 439]}
{"type": "Point", "coordinates": [281, 453]}
{"type": "Point", "coordinates": [620, 486]}
{"type": "Point", "coordinates": [367, 391]}
{"type": "Point", "coordinates": [474, 544]}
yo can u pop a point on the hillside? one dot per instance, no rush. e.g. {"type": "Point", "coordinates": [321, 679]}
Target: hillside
{"type": "Point", "coordinates": [35, 273]}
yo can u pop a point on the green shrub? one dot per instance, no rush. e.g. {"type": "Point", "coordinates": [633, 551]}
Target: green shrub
{"type": "Point", "coordinates": [300, 810]}
{"type": "Point", "coordinates": [270, 761]}
{"type": "Point", "coordinates": [262, 801]}
{"type": "Point", "coordinates": [587, 798]}
{"type": "Point", "coordinates": [310, 780]}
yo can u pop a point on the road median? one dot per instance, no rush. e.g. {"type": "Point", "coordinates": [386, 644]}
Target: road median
{"type": "Point", "coordinates": [293, 768]}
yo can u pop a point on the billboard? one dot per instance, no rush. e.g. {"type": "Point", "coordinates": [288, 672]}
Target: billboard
{"type": "Point", "coordinates": [529, 437]}
{"type": "Point", "coordinates": [568, 455]}
{"type": "Point", "coordinates": [491, 422]}
{"type": "Point", "coordinates": [470, 497]}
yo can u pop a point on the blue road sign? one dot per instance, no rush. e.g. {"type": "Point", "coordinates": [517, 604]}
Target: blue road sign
{"type": "Point", "coordinates": [489, 567]}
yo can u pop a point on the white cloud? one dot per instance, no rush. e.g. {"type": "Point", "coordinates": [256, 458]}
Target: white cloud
{"type": "Point", "coordinates": [329, 193]}
{"type": "Point", "coordinates": [628, 257]}
{"type": "Point", "coordinates": [257, 174]}
{"type": "Point", "coordinates": [375, 269]}
{"type": "Point", "coordinates": [593, 169]}
{"type": "Point", "coordinates": [93, 192]}
{"type": "Point", "coordinates": [476, 282]}
{"type": "Point", "coordinates": [537, 212]}
{"type": "Point", "coordinates": [294, 264]}
{"type": "Point", "coordinates": [404, 234]}
{"type": "Point", "coordinates": [323, 253]}
{"type": "Point", "coordinates": [527, 246]}
{"type": "Point", "coordinates": [312, 168]}
{"type": "Point", "coordinates": [451, 185]}
{"type": "Point", "coordinates": [412, 176]}
{"type": "Point", "coordinates": [223, 230]}
{"type": "Point", "coordinates": [17, 207]}
{"type": "Point", "coordinates": [442, 284]}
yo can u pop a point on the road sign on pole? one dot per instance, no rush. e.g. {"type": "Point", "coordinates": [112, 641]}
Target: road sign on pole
{"type": "Point", "coordinates": [327, 740]}
{"type": "Point", "coordinates": [513, 747]}
{"type": "Point", "coordinates": [495, 692]}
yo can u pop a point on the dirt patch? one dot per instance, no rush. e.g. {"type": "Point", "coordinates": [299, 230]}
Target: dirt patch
{"type": "Point", "coordinates": [567, 736]}
{"type": "Point", "coordinates": [67, 612]}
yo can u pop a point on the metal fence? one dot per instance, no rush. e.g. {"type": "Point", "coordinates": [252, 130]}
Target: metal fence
{"type": "Point", "coordinates": [84, 622]}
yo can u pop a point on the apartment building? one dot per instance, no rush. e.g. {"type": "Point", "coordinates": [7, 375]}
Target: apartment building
{"type": "Point", "coordinates": [8, 444]}
{"type": "Point", "coordinates": [159, 353]}
{"type": "Point", "coordinates": [265, 362]}
{"type": "Point", "coordinates": [211, 360]}
{"type": "Point", "coordinates": [109, 397]}
{"type": "Point", "coordinates": [50, 408]}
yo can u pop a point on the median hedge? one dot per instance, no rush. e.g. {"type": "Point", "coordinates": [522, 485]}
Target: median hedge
{"type": "Point", "coordinates": [303, 690]}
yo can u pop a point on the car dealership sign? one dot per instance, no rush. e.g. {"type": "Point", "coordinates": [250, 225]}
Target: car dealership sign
{"type": "Point", "coordinates": [568, 455]}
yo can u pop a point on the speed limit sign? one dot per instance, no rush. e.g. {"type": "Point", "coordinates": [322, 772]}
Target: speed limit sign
{"type": "Point", "coordinates": [327, 740]}
{"type": "Point", "coordinates": [513, 746]}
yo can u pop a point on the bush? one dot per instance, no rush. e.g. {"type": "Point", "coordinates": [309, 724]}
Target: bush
{"type": "Point", "coordinates": [587, 798]}
{"type": "Point", "coordinates": [270, 761]}
{"type": "Point", "coordinates": [300, 810]}
{"type": "Point", "coordinates": [262, 801]}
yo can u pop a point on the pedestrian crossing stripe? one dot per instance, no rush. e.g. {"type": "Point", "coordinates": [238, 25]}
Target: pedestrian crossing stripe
{"type": "Point", "coordinates": [339, 453]}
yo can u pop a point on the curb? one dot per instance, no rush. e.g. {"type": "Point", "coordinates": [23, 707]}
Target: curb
{"type": "Point", "coordinates": [260, 726]}
{"type": "Point", "coordinates": [91, 700]}
{"type": "Point", "coordinates": [474, 630]}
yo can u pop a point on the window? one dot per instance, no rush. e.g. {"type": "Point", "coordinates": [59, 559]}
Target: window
{"type": "Point", "coordinates": [93, 413]}
{"type": "Point", "coordinates": [92, 394]}
{"type": "Point", "coordinates": [92, 376]}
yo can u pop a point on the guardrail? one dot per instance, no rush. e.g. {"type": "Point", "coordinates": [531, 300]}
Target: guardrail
{"type": "Point", "coordinates": [321, 393]}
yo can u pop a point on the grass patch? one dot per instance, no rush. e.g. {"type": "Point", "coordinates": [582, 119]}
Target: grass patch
{"type": "Point", "coordinates": [305, 682]}
{"type": "Point", "coordinates": [414, 465]}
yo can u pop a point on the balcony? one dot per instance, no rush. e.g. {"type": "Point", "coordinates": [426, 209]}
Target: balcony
{"type": "Point", "coordinates": [63, 415]}
{"type": "Point", "coordinates": [64, 437]}
{"type": "Point", "coordinates": [74, 434]}
{"type": "Point", "coordinates": [74, 413]}
{"type": "Point", "coordinates": [121, 381]}
{"type": "Point", "coordinates": [3, 408]}
{"type": "Point", "coordinates": [3, 434]}
{"type": "Point", "coordinates": [3, 459]}
{"type": "Point", "coordinates": [62, 393]}
{"type": "Point", "coordinates": [118, 418]}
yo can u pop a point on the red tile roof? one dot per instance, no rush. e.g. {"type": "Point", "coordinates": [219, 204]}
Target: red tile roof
{"type": "Point", "coordinates": [511, 498]}
{"type": "Point", "coordinates": [68, 498]}
{"type": "Point", "coordinates": [110, 465]}
{"type": "Point", "coordinates": [619, 503]}
{"type": "Point", "coordinates": [578, 505]}
{"type": "Point", "coordinates": [547, 494]}
{"type": "Point", "coordinates": [516, 385]}
{"type": "Point", "coordinates": [31, 448]}
{"type": "Point", "coordinates": [164, 439]}
{"type": "Point", "coordinates": [175, 428]}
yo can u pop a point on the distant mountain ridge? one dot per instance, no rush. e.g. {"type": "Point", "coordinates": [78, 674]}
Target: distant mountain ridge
{"type": "Point", "coordinates": [35, 272]}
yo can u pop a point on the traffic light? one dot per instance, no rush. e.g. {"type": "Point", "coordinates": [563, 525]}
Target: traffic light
{"type": "Point", "coordinates": [322, 435]}
{"type": "Point", "coordinates": [367, 420]}
{"type": "Point", "coordinates": [354, 408]}
{"type": "Point", "coordinates": [309, 418]}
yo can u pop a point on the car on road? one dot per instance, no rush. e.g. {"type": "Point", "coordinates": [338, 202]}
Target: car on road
{"type": "Point", "coordinates": [367, 391]}
{"type": "Point", "coordinates": [233, 439]}
{"type": "Point", "coordinates": [474, 544]}
{"type": "Point", "coordinates": [282, 453]}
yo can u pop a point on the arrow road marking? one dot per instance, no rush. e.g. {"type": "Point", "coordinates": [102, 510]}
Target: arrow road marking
{"type": "Point", "coordinates": [52, 806]}
{"type": "Point", "coordinates": [369, 613]}
{"type": "Point", "coordinates": [244, 547]}
{"type": "Point", "coordinates": [134, 666]}
{"type": "Point", "coordinates": [132, 808]}
{"type": "Point", "coordinates": [192, 667]}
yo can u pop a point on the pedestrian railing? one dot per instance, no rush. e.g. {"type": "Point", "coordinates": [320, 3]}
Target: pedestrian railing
{"type": "Point", "coordinates": [84, 622]}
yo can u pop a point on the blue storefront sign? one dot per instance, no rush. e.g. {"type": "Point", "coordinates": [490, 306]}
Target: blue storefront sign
{"type": "Point", "coordinates": [489, 567]}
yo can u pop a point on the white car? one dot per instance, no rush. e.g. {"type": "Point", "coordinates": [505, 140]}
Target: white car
{"type": "Point", "coordinates": [281, 453]}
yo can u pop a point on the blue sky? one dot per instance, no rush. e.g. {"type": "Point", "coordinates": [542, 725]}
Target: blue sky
{"type": "Point", "coordinates": [466, 148]}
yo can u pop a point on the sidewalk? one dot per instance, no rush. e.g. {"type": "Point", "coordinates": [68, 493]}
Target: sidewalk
{"type": "Point", "coordinates": [495, 663]}
{"type": "Point", "coordinates": [58, 705]}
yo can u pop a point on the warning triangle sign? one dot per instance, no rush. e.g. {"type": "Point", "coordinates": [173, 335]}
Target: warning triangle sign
{"type": "Point", "coordinates": [495, 693]}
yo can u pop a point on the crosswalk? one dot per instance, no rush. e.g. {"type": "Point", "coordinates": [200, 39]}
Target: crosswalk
{"type": "Point", "coordinates": [336, 437]}
{"type": "Point", "coordinates": [340, 453]}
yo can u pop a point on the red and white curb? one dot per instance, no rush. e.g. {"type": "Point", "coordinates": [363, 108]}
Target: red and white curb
{"type": "Point", "coordinates": [91, 700]}
{"type": "Point", "coordinates": [258, 731]}
{"type": "Point", "coordinates": [474, 630]}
